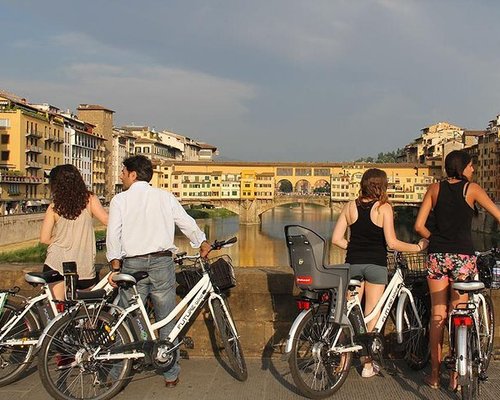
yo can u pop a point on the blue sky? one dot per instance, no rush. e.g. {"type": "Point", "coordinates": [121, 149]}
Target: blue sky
{"type": "Point", "coordinates": [263, 80]}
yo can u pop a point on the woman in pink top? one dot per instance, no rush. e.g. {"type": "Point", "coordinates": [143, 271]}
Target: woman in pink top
{"type": "Point", "coordinates": [68, 226]}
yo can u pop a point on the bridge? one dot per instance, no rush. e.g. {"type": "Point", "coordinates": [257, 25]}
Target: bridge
{"type": "Point", "coordinates": [250, 211]}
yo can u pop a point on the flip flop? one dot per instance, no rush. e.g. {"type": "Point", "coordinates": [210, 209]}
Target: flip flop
{"type": "Point", "coordinates": [432, 385]}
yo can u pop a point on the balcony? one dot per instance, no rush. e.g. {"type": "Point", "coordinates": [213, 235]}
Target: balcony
{"type": "Point", "coordinates": [58, 139]}
{"type": "Point", "coordinates": [34, 149]}
{"type": "Point", "coordinates": [20, 179]}
{"type": "Point", "coordinates": [37, 135]}
{"type": "Point", "coordinates": [33, 164]}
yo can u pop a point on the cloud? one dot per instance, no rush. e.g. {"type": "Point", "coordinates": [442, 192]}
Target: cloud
{"type": "Point", "coordinates": [153, 95]}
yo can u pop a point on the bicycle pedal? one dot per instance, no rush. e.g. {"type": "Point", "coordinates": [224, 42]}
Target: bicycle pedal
{"type": "Point", "coordinates": [188, 342]}
{"type": "Point", "coordinates": [483, 377]}
{"type": "Point", "coordinates": [184, 354]}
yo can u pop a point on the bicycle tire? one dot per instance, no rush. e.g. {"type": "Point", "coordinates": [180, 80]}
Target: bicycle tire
{"type": "Point", "coordinates": [14, 360]}
{"type": "Point", "coordinates": [486, 336]}
{"type": "Point", "coordinates": [67, 370]}
{"type": "Point", "coordinates": [469, 389]}
{"type": "Point", "coordinates": [416, 339]}
{"type": "Point", "coordinates": [230, 341]}
{"type": "Point", "coordinates": [317, 373]}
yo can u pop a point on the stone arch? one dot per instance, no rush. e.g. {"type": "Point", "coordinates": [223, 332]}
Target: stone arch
{"type": "Point", "coordinates": [321, 186]}
{"type": "Point", "coordinates": [303, 186]}
{"type": "Point", "coordinates": [284, 186]}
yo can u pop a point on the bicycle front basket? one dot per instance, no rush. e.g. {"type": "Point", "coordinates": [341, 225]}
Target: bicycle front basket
{"type": "Point", "coordinates": [413, 265]}
{"type": "Point", "coordinates": [486, 266]}
{"type": "Point", "coordinates": [222, 273]}
{"type": "Point", "coordinates": [187, 278]}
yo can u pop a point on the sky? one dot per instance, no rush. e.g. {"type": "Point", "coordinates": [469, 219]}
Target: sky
{"type": "Point", "coordinates": [263, 80]}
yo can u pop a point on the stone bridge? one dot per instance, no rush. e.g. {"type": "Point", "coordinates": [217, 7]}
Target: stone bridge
{"type": "Point", "coordinates": [250, 210]}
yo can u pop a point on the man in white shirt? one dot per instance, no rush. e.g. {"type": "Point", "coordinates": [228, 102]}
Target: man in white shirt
{"type": "Point", "coordinates": [140, 237]}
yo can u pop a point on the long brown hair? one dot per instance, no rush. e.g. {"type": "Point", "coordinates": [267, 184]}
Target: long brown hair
{"type": "Point", "coordinates": [373, 186]}
{"type": "Point", "coordinates": [69, 193]}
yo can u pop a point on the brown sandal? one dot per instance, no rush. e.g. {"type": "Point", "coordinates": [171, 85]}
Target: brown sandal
{"type": "Point", "coordinates": [428, 381]}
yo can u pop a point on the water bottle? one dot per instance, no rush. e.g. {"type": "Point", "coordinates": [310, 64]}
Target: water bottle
{"type": "Point", "coordinates": [495, 276]}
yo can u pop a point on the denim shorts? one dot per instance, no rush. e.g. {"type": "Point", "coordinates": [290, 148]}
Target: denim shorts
{"type": "Point", "coordinates": [372, 273]}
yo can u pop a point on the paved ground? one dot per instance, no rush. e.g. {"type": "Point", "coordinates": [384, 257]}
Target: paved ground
{"type": "Point", "coordinates": [206, 379]}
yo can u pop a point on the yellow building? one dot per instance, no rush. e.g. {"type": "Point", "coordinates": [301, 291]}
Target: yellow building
{"type": "Point", "coordinates": [31, 145]}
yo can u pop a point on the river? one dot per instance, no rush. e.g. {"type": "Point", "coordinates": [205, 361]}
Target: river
{"type": "Point", "coordinates": [264, 245]}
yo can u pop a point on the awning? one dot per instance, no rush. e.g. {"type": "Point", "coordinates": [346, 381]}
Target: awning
{"type": "Point", "coordinates": [33, 203]}
{"type": "Point", "coordinates": [45, 201]}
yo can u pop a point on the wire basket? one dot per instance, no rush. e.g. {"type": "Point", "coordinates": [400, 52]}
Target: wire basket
{"type": "Point", "coordinates": [489, 271]}
{"type": "Point", "coordinates": [221, 274]}
{"type": "Point", "coordinates": [187, 278]}
{"type": "Point", "coordinates": [412, 265]}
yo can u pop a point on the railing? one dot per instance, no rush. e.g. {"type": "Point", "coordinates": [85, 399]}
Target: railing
{"type": "Point", "coordinates": [20, 179]}
{"type": "Point", "coordinates": [34, 134]}
{"type": "Point", "coordinates": [34, 149]}
{"type": "Point", "coordinates": [33, 164]}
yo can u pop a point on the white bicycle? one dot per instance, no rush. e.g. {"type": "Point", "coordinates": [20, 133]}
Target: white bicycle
{"type": "Point", "coordinates": [331, 326]}
{"type": "Point", "coordinates": [88, 353]}
{"type": "Point", "coordinates": [22, 320]}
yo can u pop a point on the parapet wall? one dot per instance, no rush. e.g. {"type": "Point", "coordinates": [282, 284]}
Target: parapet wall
{"type": "Point", "coordinates": [262, 305]}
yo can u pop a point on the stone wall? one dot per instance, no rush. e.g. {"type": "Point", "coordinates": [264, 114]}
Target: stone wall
{"type": "Point", "coordinates": [19, 228]}
{"type": "Point", "coordinates": [262, 305]}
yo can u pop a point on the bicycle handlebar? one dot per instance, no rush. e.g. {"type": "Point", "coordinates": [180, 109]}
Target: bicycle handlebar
{"type": "Point", "coordinates": [216, 245]}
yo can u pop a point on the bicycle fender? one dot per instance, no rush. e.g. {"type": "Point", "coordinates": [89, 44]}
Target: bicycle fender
{"type": "Point", "coordinates": [293, 330]}
{"type": "Point", "coordinates": [49, 325]}
{"type": "Point", "coordinates": [399, 315]}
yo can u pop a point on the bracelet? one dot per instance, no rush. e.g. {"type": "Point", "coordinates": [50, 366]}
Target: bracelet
{"type": "Point", "coordinates": [419, 247]}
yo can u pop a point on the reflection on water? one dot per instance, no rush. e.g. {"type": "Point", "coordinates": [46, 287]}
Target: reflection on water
{"type": "Point", "coordinates": [264, 245]}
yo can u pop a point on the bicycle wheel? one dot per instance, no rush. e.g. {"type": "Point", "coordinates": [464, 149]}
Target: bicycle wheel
{"type": "Point", "coordinates": [230, 341]}
{"type": "Point", "coordinates": [66, 364]}
{"type": "Point", "coordinates": [416, 338]}
{"type": "Point", "coordinates": [470, 381]}
{"type": "Point", "coordinates": [317, 372]}
{"type": "Point", "coordinates": [15, 359]}
{"type": "Point", "coordinates": [486, 329]}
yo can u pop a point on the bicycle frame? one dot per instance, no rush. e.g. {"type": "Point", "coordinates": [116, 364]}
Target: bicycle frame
{"type": "Point", "coordinates": [394, 290]}
{"type": "Point", "coordinates": [46, 294]}
{"type": "Point", "coordinates": [193, 301]}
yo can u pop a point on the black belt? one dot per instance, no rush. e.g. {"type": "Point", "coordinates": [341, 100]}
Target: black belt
{"type": "Point", "coordinates": [164, 253]}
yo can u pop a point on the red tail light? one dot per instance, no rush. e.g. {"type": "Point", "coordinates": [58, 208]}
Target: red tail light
{"type": "Point", "coordinates": [303, 280]}
{"type": "Point", "coordinates": [60, 306]}
{"type": "Point", "coordinates": [303, 304]}
{"type": "Point", "coordinates": [462, 320]}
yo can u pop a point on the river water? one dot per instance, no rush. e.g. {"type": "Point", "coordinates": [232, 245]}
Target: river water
{"type": "Point", "coordinates": [264, 245]}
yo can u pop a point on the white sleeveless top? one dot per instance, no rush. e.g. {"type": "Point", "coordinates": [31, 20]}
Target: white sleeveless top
{"type": "Point", "coordinates": [73, 240]}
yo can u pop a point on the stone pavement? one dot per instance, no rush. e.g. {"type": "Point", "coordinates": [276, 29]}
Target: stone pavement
{"type": "Point", "coordinates": [206, 379]}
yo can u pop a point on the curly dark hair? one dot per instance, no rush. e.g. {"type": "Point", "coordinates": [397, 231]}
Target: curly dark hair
{"type": "Point", "coordinates": [373, 186]}
{"type": "Point", "coordinates": [69, 193]}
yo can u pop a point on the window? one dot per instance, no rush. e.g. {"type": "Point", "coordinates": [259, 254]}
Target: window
{"type": "Point", "coordinates": [5, 139]}
{"type": "Point", "coordinates": [5, 155]}
{"type": "Point", "coordinates": [4, 123]}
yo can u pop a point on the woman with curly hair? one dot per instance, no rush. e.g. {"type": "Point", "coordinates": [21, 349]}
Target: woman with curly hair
{"type": "Point", "coordinates": [67, 227]}
{"type": "Point", "coordinates": [371, 221]}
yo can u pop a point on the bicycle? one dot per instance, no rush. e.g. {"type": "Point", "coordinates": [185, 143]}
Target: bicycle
{"type": "Point", "coordinates": [97, 350]}
{"type": "Point", "coordinates": [471, 328]}
{"type": "Point", "coordinates": [22, 323]}
{"type": "Point", "coordinates": [331, 326]}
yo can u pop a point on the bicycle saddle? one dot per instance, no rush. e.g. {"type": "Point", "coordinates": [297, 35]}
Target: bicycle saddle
{"type": "Point", "coordinates": [471, 286]}
{"type": "Point", "coordinates": [355, 281]}
{"type": "Point", "coordinates": [129, 279]}
{"type": "Point", "coordinates": [41, 278]}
